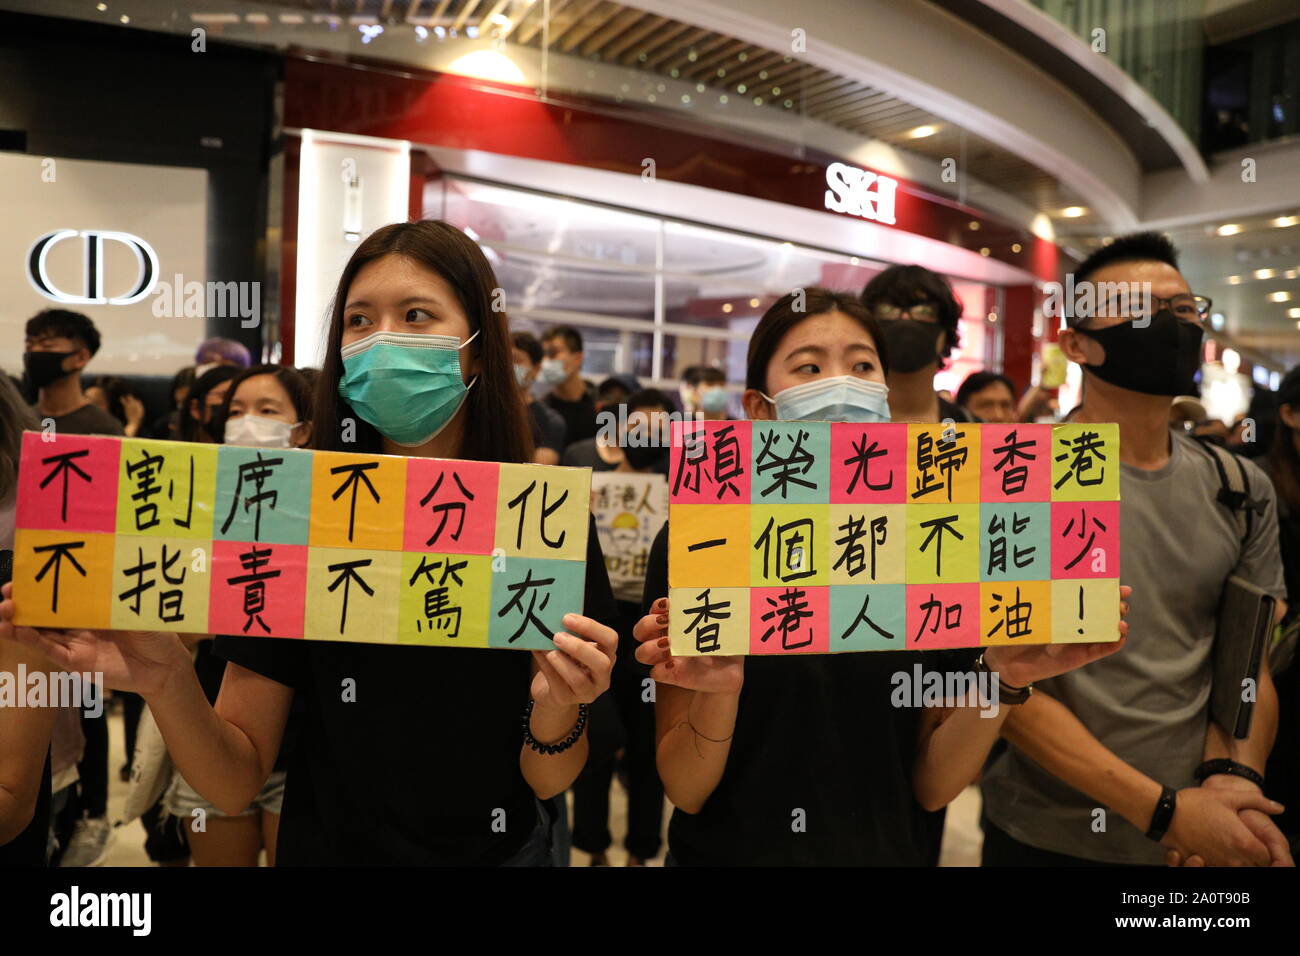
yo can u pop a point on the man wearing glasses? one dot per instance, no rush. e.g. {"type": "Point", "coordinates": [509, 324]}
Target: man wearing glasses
{"type": "Point", "coordinates": [1106, 763]}
{"type": "Point", "coordinates": [918, 316]}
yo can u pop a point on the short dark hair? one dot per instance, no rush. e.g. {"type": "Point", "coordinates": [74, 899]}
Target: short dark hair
{"type": "Point", "coordinates": [64, 324]}
{"type": "Point", "coordinates": [904, 286]}
{"type": "Point", "coordinates": [1138, 247]}
{"type": "Point", "coordinates": [650, 398]}
{"type": "Point", "coordinates": [571, 336]}
{"type": "Point", "coordinates": [978, 381]}
{"type": "Point", "coordinates": [189, 428]}
{"type": "Point", "coordinates": [527, 343]}
{"type": "Point", "coordinates": [782, 316]}
{"type": "Point", "coordinates": [698, 375]}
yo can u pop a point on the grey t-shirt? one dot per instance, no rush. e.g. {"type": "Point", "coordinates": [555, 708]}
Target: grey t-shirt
{"type": "Point", "coordinates": [1148, 703]}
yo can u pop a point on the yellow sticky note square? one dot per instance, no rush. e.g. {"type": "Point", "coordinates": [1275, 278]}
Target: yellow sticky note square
{"type": "Point", "coordinates": [708, 620]}
{"type": "Point", "coordinates": [788, 545]}
{"type": "Point", "coordinates": [943, 544]}
{"type": "Point", "coordinates": [943, 463]}
{"type": "Point", "coordinates": [543, 511]}
{"type": "Point", "coordinates": [1085, 462]}
{"type": "Point", "coordinates": [867, 544]}
{"type": "Point", "coordinates": [166, 488]}
{"type": "Point", "coordinates": [708, 545]}
{"type": "Point", "coordinates": [161, 584]}
{"type": "Point", "coordinates": [62, 578]}
{"type": "Point", "coordinates": [1015, 612]}
{"type": "Point", "coordinates": [357, 501]}
{"type": "Point", "coordinates": [445, 599]}
{"type": "Point", "coordinates": [352, 595]}
{"type": "Point", "coordinates": [1085, 611]}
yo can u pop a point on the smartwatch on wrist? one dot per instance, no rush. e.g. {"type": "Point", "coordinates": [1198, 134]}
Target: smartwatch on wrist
{"type": "Point", "coordinates": [1163, 815]}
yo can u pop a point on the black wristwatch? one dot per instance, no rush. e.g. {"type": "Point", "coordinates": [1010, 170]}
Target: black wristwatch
{"type": "Point", "coordinates": [1007, 694]}
{"type": "Point", "coordinates": [1224, 765]}
{"type": "Point", "coordinates": [1163, 815]}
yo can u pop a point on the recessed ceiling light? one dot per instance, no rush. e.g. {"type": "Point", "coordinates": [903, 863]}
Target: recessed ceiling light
{"type": "Point", "coordinates": [101, 7]}
{"type": "Point", "coordinates": [1294, 313]}
{"type": "Point", "coordinates": [726, 307]}
{"type": "Point", "coordinates": [1228, 229]}
{"type": "Point", "coordinates": [1279, 297]}
{"type": "Point", "coordinates": [1015, 247]}
{"type": "Point", "coordinates": [921, 132]}
{"type": "Point", "coordinates": [1234, 280]}
{"type": "Point", "coordinates": [1264, 273]}
{"type": "Point", "coordinates": [1073, 212]}
{"type": "Point", "coordinates": [753, 303]}
{"type": "Point", "coordinates": [984, 251]}
{"type": "Point", "coordinates": [974, 225]}
{"type": "Point", "coordinates": [1281, 222]}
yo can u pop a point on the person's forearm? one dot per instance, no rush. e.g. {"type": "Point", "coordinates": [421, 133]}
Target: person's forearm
{"type": "Point", "coordinates": [1254, 750]}
{"type": "Point", "coordinates": [551, 774]}
{"type": "Point", "coordinates": [693, 749]}
{"type": "Point", "coordinates": [953, 751]}
{"type": "Point", "coordinates": [15, 814]}
{"type": "Point", "coordinates": [1047, 732]}
{"type": "Point", "coordinates": [214, 756]}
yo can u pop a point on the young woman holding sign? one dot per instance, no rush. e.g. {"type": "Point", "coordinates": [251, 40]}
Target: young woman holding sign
{"type": "Point", "coordinates": [406, 754]}
{"type": "Point", "coordinates": [803, 760]}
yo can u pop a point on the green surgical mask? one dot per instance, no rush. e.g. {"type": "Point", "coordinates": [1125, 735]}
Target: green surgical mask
{"type": "Point", "coordinates": [406, 384]}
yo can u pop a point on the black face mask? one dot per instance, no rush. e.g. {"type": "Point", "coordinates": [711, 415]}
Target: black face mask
{"type": "Point", "coordinates": [1159, 359]}
{"type": "Point", "coordinates": [45, 368]}
{"type": "Point", "coordinates": [647, 457]}
{"type": "Point", "coordinates": [911, 343]}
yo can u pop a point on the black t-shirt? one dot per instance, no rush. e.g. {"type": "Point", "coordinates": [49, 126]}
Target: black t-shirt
{"type": "Point", "coordinates": [87, 420]}
{"type": "Point", "coordinates": [583, 454]}
{"type": "Point", "coordinates": [818, 743]}
{"type": "Point", "coordinates": [547, 426]}
{"type": "Point", "coordinates": [579, 417]}
{"type": "Point", "coordinates": [418, 768]}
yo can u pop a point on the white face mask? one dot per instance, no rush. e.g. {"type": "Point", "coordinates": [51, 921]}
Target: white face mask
{"type": "Point", "coordinates": [258, 431]}
{"type": "Point", "coordinates": [837, 398]}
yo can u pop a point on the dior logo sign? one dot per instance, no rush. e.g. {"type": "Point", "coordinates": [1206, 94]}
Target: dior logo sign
{"type": "Point", "coordinates": [93, 268]}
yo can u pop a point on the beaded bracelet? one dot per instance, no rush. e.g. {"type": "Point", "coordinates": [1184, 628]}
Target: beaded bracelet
{"type": "Point", "coordinates": [551, 749]}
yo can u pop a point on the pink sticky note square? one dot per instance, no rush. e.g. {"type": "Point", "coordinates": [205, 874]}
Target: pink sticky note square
{"type": "Point", "coordinates": [69, 483]}
{"type": "Point", "coordinates": [1085, 539]}
{"type": "Point", "coordinates": [258, 590]}
{"type": "Point", "coordinates": [451, 506]}
{"type": "Point", "coordinates": [789, 620]}
{"type": "Point", "coordinates": [943, 615]}
{"type": "Point", "coordinates": [868, 463]}
{"type": "Point", "coordinates": [1016, 462]}
{"type": "Point", "coordinates": [711, 468]}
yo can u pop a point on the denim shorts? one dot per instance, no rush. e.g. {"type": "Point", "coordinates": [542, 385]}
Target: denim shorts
{"type": "Point", "coordinates": [182, 800]}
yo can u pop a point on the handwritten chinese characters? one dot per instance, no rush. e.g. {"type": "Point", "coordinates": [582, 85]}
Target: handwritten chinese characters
{"type": "Point", "coordinates": [131, 534]}
{"type": "Point", "coordinates": [834, 537]}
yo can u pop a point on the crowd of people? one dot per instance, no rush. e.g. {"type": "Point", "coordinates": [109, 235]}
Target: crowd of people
{"type": "Point", "coordinates": [253, 732]}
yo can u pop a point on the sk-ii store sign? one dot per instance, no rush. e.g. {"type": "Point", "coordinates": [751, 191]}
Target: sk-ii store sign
{"type": "Point", "coordinates": [858, 192]}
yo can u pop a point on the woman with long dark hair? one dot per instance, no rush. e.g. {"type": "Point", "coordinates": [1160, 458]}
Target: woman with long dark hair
{"type": "Point", "coordinates": [406, 754]}
{"type": "Point", "coordinates": [806, 759]}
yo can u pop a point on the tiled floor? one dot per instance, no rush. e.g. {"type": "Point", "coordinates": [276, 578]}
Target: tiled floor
{"type": "Point", "coordinates": [961, 839]}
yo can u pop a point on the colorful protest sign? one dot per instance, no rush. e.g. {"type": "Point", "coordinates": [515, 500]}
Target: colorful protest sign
{"type": "Point", "coordinates": [630, 508]}
{"type": "Point", "coordinates": [130, 534]}
{"type": "Point", "coordinates": [820, 537]}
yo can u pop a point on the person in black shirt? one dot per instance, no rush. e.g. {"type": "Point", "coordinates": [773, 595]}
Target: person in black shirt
{"type": "Point", "coordinates": [546, 423]}
{"type": "Point", "coordinates": [918, 316]}
{"type": "Point", "coordinates": [562, 373]}
{"type": "Point", "coordinates": [804, 760]}
{"type": "Point", "coordinates": [406, 755]}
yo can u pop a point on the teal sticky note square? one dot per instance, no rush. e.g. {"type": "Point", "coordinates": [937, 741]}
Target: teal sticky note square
{"type": "Point", "coordinates": [263, 494]}
{"type": "Point", "coordinates": [1016, 542]}
{"type": "Point", "coordinates": [791, 462]}
{"type": "Point", "coordinates": [868, 617]}
{"type": "Point", "coordinates": [530, 597]}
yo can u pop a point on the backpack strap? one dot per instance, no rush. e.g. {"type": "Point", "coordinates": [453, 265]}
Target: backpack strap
{"type": "Point", "coordinates": [1234, 487]}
